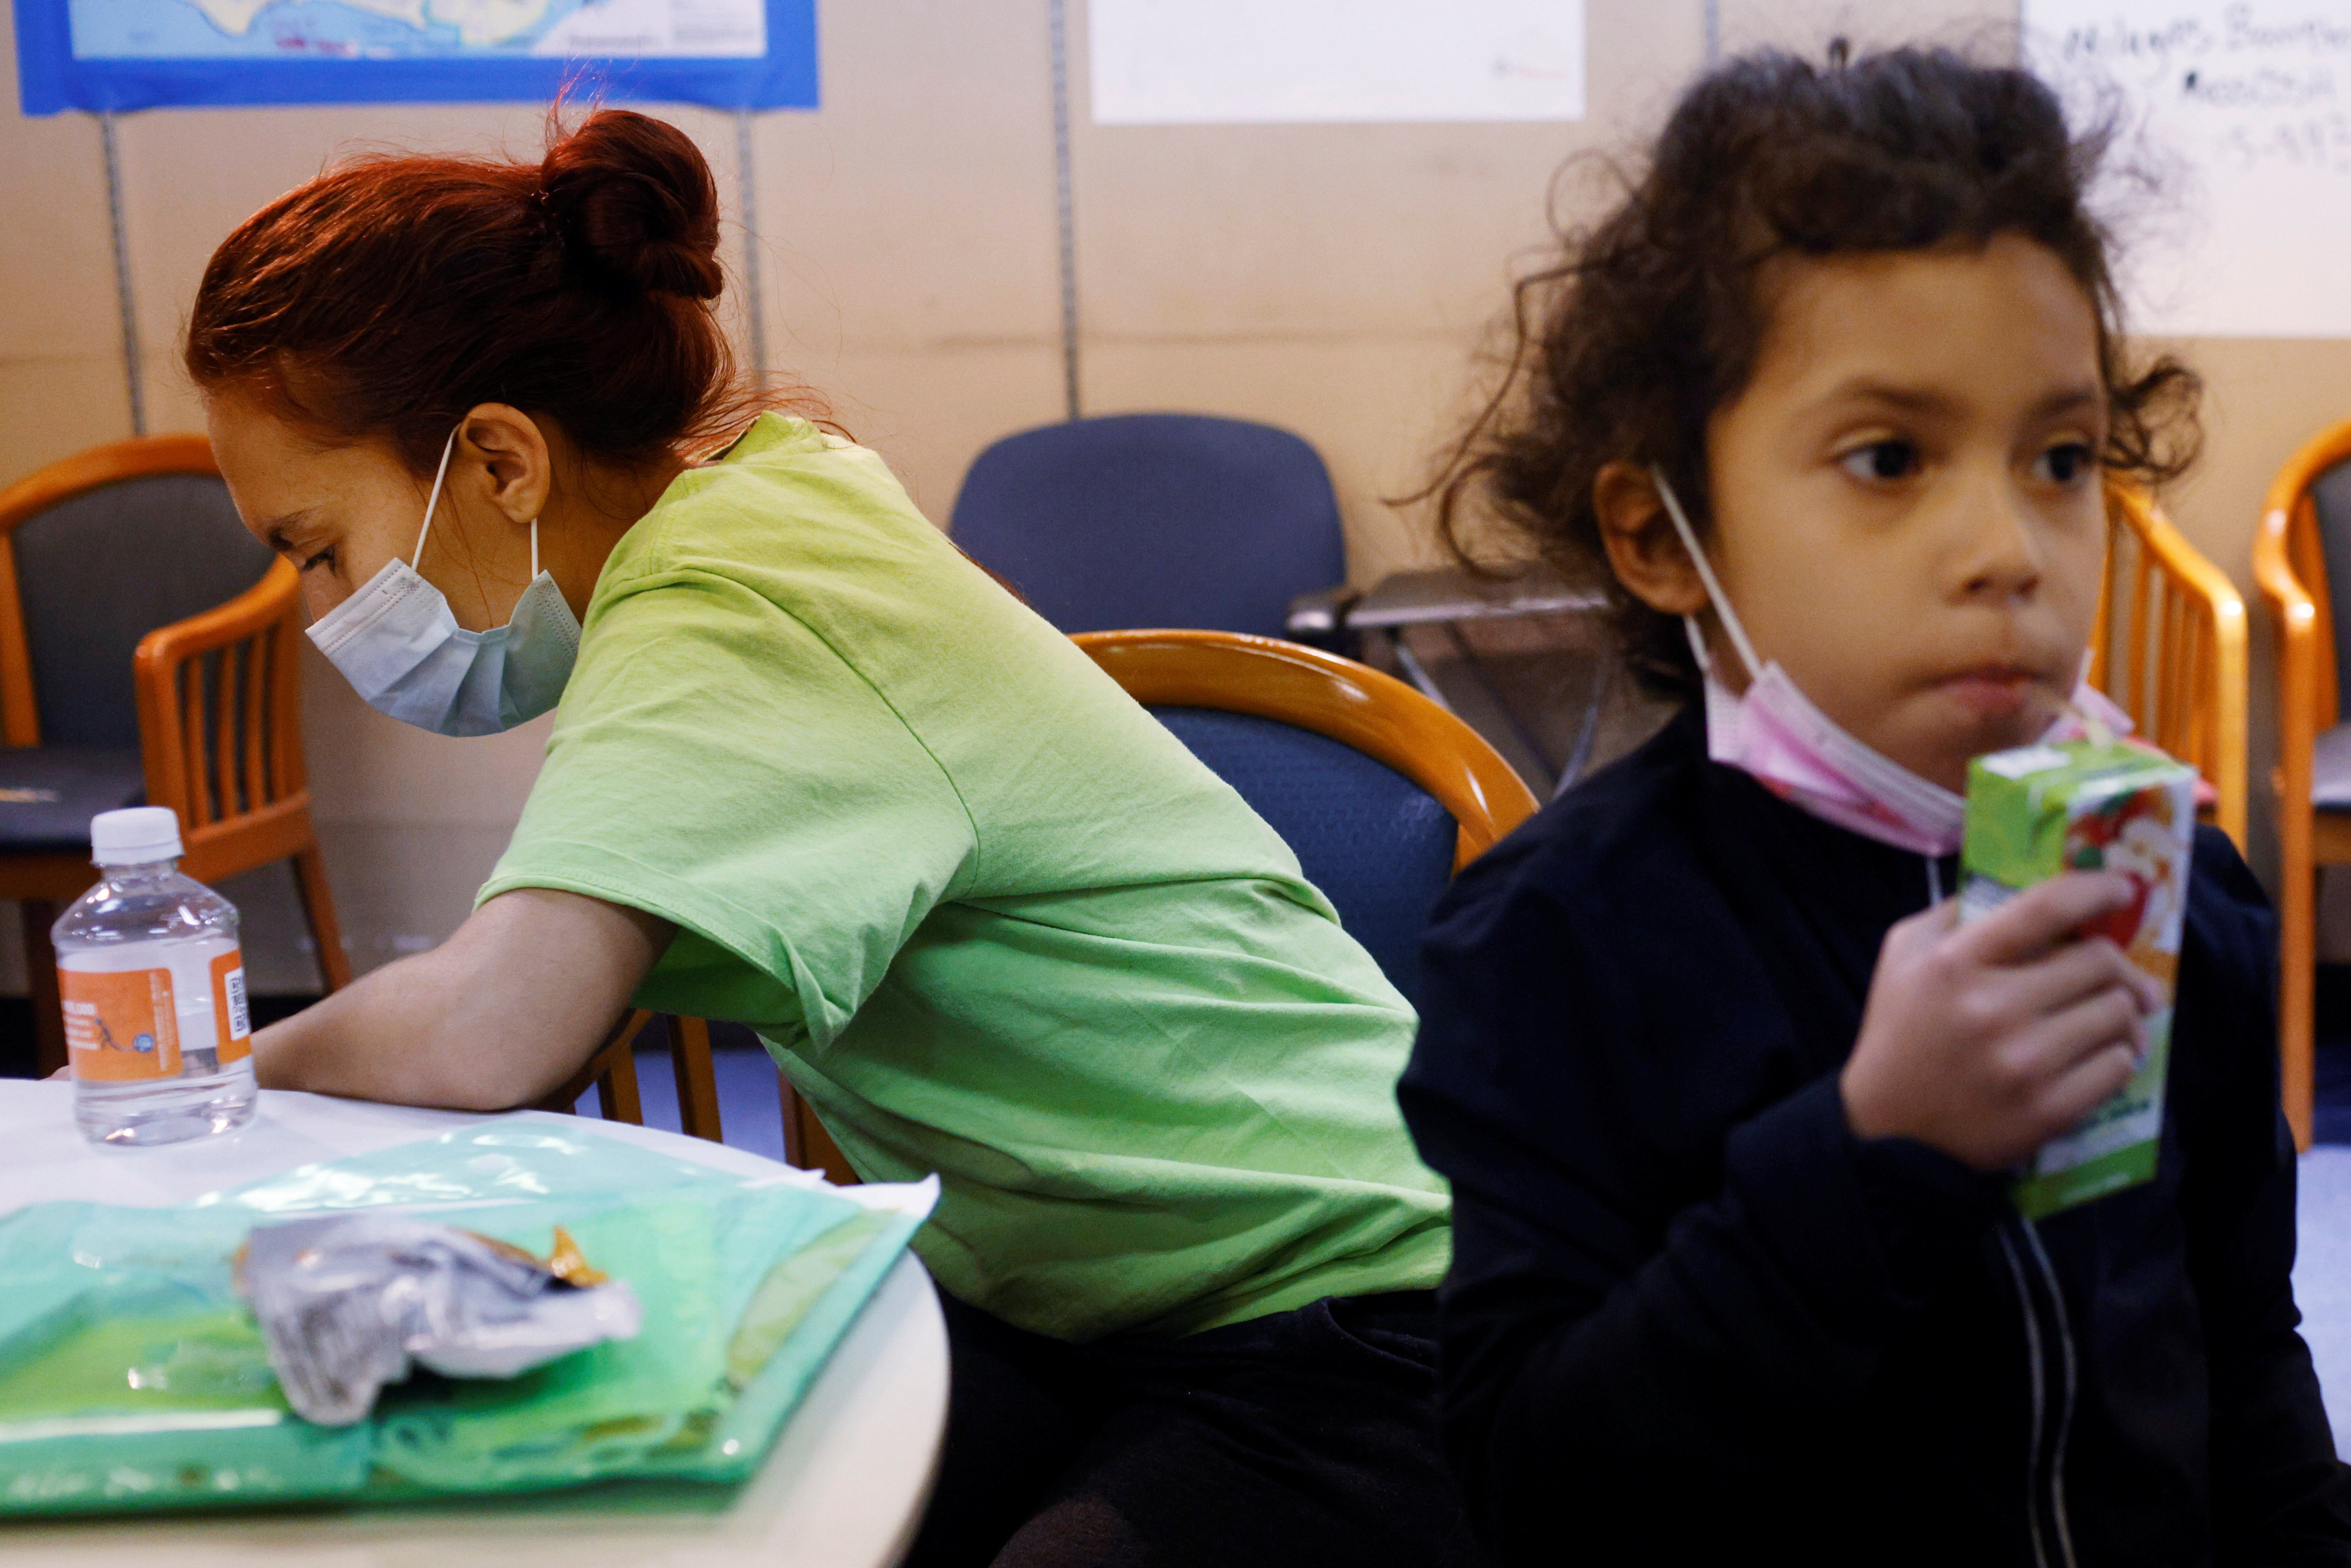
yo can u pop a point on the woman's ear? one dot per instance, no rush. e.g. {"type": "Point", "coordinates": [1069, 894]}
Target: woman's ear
{"type": "Point", "coordinates": [513, 454]}
{"type": "Point", "coordinates": [1642, 548]}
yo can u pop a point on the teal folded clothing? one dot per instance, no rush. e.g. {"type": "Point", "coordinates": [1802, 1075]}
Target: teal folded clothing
{"type": "Point", "coordinates": [132, 1375]}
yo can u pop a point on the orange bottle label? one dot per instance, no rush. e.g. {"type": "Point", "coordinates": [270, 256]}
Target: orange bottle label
{"type": "Point", "coordinates": [234, 1023]}
{"type": "Point", "coordinates": [120, 1027]}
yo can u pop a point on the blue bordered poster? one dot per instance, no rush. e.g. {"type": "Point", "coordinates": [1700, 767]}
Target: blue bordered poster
{"type": "Point", "coordinates": [121, 55]}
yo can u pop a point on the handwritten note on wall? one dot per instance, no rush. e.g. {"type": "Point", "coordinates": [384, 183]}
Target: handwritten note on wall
{"type": "Point", "coordinates": [2245, 106]}
{"type": "Point", "coordinates": [1172, 62]}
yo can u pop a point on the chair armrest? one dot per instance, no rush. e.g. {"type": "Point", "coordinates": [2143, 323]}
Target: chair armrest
{"type": "Point", "coordinates": [613, 1052]}
{"type": "Point", "coordinates": [269, 601]}
{"type": "Point", "coordinates": [1455, 594]}
{"type": "Point", "coordinates": [1318, 619]}
{"type": "Point", "coordinates": [184, 746]}
{"type": "Point", "coordinates": [2297, 653]}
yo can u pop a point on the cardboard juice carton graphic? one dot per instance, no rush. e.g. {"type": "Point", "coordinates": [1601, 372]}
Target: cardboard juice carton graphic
{"type": "Point", "coordinates": [2088, 805]}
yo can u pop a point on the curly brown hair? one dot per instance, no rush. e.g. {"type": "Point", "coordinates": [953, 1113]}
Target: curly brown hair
{"type": "Point", "coordinates": [1630, 338]}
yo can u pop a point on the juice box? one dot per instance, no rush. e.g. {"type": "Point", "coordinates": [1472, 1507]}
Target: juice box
{"type": "Point", "coordinates": [2087, 805]}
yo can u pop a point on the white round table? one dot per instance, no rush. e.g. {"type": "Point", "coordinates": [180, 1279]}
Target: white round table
{"type": "Point", "coordinates": [844, 1487]}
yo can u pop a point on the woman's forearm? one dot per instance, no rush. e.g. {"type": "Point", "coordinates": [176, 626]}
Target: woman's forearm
{"type": "Point", "coordinates": [384, 1036]}
{"type": "Point", "coordinates": [499, 1015]}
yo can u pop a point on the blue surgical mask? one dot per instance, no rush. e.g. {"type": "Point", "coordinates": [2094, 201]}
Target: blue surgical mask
{"type": "Point", "coordinates": [399, 644]}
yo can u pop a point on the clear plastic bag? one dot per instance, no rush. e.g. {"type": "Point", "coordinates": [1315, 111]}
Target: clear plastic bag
{"type": "Point", "coordinates": [132, 1375]}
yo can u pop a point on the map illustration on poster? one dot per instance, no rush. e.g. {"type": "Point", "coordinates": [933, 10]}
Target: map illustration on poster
{"type": "Point", "coordinates": [2242, 110]}
{"type": "Point", "coordinates": [121, 55]}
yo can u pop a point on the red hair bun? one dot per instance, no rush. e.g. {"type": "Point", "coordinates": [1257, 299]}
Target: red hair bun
{"type": "Point", "coordinates": [389, 294]}
{"type": "Point", "coordinates": [633, 199]}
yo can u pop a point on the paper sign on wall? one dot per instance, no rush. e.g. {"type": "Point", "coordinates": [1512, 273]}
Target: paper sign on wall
{"type": "Point", "coordinates": [1174, 62]}
{"type": "Point", "coordinates": [119, 55]}
{"type": "Point", "coordinates": [2245, 109]}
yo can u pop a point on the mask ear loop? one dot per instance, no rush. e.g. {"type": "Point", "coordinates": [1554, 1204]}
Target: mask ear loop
{"type": "Point", "coordinates": [1715, 596]}
{"type": "Point", "coordinates": [434, 501]}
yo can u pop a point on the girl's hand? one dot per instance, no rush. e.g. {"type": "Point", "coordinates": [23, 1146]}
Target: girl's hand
{"type": "Point", "coordinates": [1987, 1042]}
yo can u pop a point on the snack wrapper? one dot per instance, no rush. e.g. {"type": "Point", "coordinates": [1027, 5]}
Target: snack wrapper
{"type": "Point", "coordinates": [347, 1303]}
{"type": "Point", "coordinates": [2088, 805]}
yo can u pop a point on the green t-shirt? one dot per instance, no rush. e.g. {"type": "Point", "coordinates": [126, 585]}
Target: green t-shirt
{"type": "Point", "coordinates": [993, 920]}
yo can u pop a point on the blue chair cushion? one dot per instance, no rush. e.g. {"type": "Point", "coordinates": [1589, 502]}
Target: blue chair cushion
{"type": "Point", "coordinates": [49, 793]}
{"type": "Point", "coordinates": [2330, 770]}
{"type": "Point", "coordinates": [98, 571]}
{"type": "Point", "coordinates": [1155, 520]}
{"type": "Point", "coordinates": [2330, 498]}
{"type": "Point", "coordinates": [1378, 845]}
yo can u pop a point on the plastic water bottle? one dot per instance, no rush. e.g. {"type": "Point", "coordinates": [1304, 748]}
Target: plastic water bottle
{"type": "Point", "coordinates": [153, 982]}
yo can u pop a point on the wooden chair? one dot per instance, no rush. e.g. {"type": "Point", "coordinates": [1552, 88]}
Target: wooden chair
{"type": "Point", "coordinates": [2307, 519]}
{"type": "Point", "coordinates": [613, 1072]}
{"type": "Point", "coordinates": [2169, 646]}
{"type": "Point", "coordinates": [1322, 693]}
{"type": "Point", "coordinates": [1435, 753]}
{"type": "Point", "coordinates": [124, 676]}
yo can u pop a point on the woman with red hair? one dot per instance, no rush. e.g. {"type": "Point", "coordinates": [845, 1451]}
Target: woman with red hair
{"type": "Point", "coordinates": [812, 770]}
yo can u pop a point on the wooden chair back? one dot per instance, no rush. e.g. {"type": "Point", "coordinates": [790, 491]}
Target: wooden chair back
{"type": "Point", "coordinates": [2170, 647]}
{"type": "Point", "coordinates": [217, 694]}
{"type": "Point", "coordinates": [2290, 569]}
{"type": "Point", "coordinates": [611, 1072]}
{"type": "Point", "coordinates": [220, 727]}
{"type": "Point", "coordinates": [214, 695]}
{"type": "Point", "coordinates": [1375, 713]}
{"type": "Point", "coordinates": [49, 496]}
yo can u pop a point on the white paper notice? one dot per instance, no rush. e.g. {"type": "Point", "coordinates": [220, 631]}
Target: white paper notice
{"type": "Point", "coordinates": [1174, 62]}
{"type": "Point", "coordinates": [2246, 105]}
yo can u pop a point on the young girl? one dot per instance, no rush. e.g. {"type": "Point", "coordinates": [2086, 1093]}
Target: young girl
{"type": "Point", "coordinates": [1725, 1094]}
{"type": "Point", "coordinates": [812, 770]}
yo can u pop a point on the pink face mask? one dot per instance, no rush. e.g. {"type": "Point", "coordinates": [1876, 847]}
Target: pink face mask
{"type": "Point", "coordinates": [1775, 734]}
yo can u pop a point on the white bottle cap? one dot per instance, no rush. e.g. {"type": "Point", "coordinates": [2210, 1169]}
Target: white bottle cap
{"type": "Point", "coordinates": [135, 835]}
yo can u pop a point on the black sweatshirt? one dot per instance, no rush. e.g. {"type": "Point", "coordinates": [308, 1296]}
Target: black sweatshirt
{"type": "Point", "coordinates": [1691, 1313]}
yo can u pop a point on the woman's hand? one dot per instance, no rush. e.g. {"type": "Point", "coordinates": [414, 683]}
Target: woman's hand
{"type": "Point", "coordinates": [512, 1004]}
{"type": "Point", "coordinates": [1986, 1043]}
